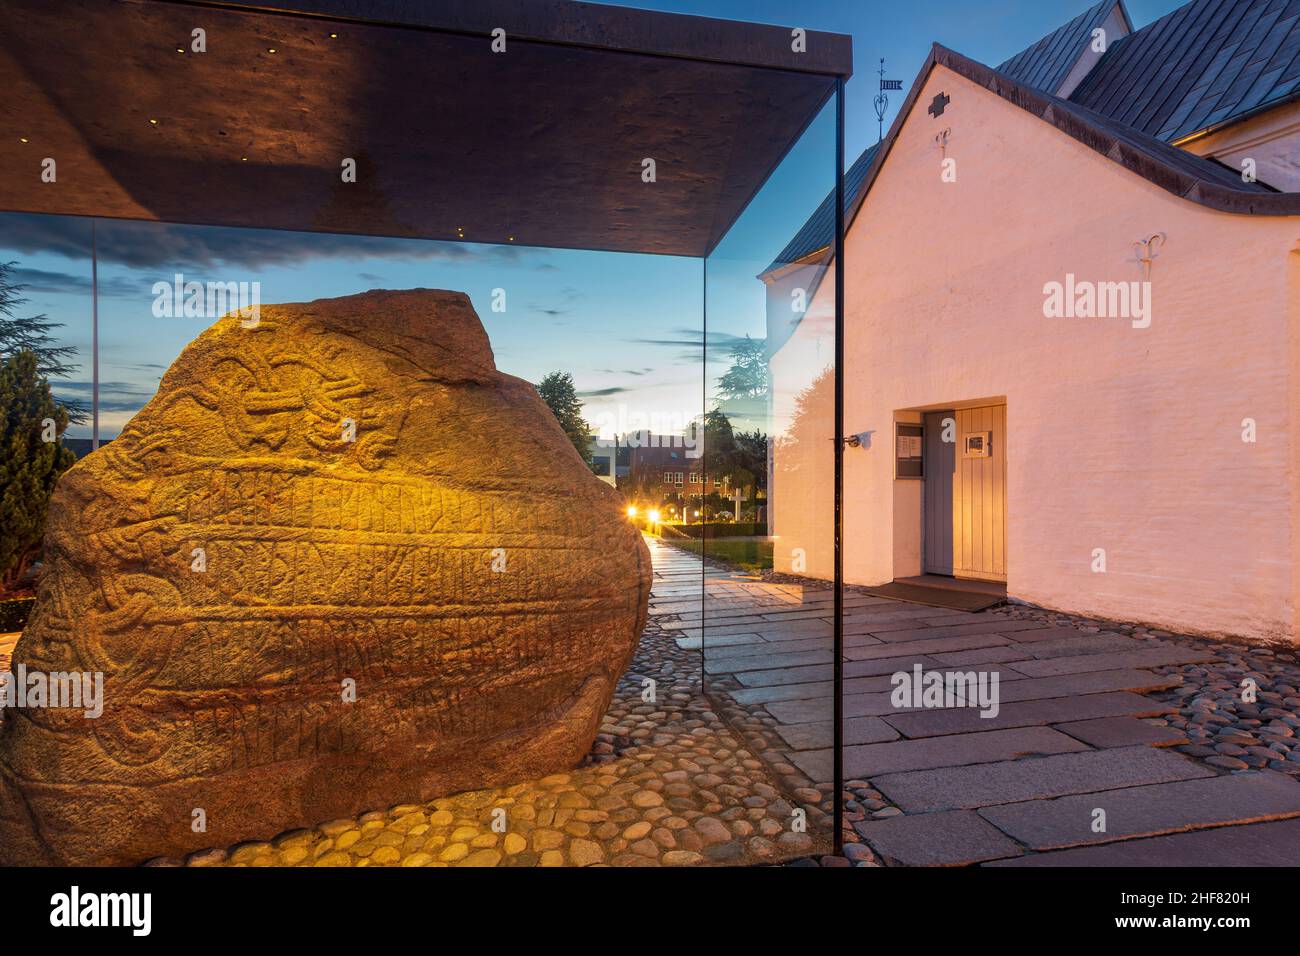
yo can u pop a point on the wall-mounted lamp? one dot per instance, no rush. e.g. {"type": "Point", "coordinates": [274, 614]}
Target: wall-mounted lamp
{"type": "Point", "coordinates": [859, 440]}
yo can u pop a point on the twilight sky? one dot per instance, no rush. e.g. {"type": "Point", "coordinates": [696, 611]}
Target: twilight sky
{"type": "Point", "coordinates": [628, 327]}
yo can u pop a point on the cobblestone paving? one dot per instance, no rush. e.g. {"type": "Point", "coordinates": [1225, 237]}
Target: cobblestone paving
{"type": "Point", "coordinates": [668, 783]}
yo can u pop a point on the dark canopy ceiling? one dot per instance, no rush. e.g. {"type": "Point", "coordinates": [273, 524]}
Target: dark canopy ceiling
{"type": "Point", "coordinates": [540, 145]}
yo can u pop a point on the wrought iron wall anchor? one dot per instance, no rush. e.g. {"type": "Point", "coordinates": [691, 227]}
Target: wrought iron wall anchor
{"type": "Point", "coordinates": [1148, 250]}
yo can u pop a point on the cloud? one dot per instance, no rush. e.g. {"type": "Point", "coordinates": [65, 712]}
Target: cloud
{"type": "Point", "coordinates": [152, 245]}
{"type": "Point", "coordinates": [113, 396]}
{"type": "Point", "coordinates": [603, 392]}
{"type": "Point", "coordinates": [569, 296]}
{"type": "Point", "coordinates": [66, 283]}
{"type": "Point", "coordinates": [694, 341]}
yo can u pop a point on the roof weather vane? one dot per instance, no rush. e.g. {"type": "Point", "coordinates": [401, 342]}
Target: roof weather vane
{"type": "Point", "coordinates": [881, 101]}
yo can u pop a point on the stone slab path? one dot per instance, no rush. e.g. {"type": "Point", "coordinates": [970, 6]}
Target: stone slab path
{"type": "Point", "coordinates": [1107, 748]}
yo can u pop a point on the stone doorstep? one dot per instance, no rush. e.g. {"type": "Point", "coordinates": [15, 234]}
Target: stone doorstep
{"type": "Point", "coordinates": [1102, 732]}
{"type": "Point", "coordinates": [930, 753]}
{"type": "Point", "coordinates": [1254, 844]}
{"type": "Point", "coordinates": [1028, 713]}
{"type": "Point", "coordinates": [1014, 781]}
{"type": "Point", "coordinates": [1148, 657]}
{"type": "Point", "coordinates": [857, 730]}
{"type": "Point", "coordinates": [1234, 799]}
{"type": "Point", "coordinates": [954, 838]}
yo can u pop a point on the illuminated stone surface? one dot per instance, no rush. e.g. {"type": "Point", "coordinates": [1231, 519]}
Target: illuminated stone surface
{"type": "Point", "coordinates": [455, 559]}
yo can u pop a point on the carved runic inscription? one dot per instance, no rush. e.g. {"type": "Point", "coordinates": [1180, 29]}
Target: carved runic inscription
{"type": "Point", "coordinates": [439, 598]}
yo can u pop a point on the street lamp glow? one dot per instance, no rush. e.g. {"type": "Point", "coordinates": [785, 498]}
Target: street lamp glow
{"type": "Point", "coordinates": [653, 516]}
{"type": "Point", "coordinates": [631, 511]}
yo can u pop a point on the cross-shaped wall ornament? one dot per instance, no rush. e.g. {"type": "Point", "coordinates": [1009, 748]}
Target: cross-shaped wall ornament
{"type": "Point", "coordinates": [939, 105]}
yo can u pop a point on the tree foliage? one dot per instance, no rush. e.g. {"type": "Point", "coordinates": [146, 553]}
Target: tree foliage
{"type": "Point", "coordinates": [29, 463]}
{"type": "Point", "coordinates": [739, 456]}
{"type": "Point", "coordinates": [558, 392]}
{"type": "Point", "coordinates": [747, 377]}
{"type": "Point", "coordinates": [34, 334]}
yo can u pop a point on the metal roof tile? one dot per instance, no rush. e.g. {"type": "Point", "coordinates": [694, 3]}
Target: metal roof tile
{"type": "Point", "coordinates": [1202, 65]}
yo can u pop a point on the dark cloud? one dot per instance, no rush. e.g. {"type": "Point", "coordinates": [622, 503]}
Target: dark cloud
{"type": "Point", "coordinates": [66, 283]}
{"type": "Point", "coordinates": [150, 245]}
{"type": "Point", "coordinates": [568, 296]}
{"type": "Point", "coordinates": [694, 341]}
{"type": "Point", "coordinates": [113, 396]}
{"type": "Point", "coordinates": [603, 392]}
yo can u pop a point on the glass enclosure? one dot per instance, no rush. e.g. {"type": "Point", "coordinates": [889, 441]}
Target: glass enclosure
{"type": "Point", "coordinates": [498, 532]}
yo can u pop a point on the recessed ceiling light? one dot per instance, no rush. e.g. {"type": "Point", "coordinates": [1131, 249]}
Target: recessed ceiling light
{"type": "Point", "coordinates": [22, 139]}
{"type": "Point", "coordinates": [334, 36]}
{"type": "Point", "coordinates": [153, 122]}
{"type": "Point", "coordinates": [270, 49]}
{"type": "Point", "coordinates": [243, 159]}
{"type": "Point", "coordinates": [180, 49]}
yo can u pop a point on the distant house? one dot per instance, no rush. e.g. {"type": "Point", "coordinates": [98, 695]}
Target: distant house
{"type": "Point", "coordinates": [609, 459]}
{"type": "Point", "coordinates": [1072, 328]}
{"type": "Point", "coordinates": [671, 468]}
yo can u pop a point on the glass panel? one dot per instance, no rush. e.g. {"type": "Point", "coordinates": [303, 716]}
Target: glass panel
{"type": "Point", "coordinates": [768, 631]}
{"type": "Point", "coordinates": [409, 531]}
{"type": "Point", "coordinates": [46, 390]}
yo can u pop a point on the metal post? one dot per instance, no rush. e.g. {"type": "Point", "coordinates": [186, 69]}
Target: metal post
{"type": "Point", "coordinates": [838, 729]}
{"type": "Point", "coordinates": [94, 337]}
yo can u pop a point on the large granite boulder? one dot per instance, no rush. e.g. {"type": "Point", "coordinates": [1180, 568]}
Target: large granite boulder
{"type": "Point", "coordinates": [239, 566]}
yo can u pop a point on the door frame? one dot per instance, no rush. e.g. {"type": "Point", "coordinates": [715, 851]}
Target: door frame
{"type": "Point", "coordinates": [928, 474]}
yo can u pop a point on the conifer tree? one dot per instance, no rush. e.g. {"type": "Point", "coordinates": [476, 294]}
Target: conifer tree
{"type": "Point", "coordinates": [31, 460]}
